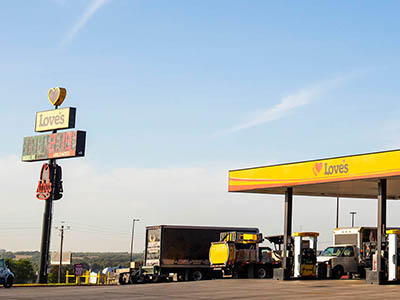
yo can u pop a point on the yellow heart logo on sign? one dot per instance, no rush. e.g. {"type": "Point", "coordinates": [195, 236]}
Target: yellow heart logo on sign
{"type": "Point", "coordinates": [57, 95]}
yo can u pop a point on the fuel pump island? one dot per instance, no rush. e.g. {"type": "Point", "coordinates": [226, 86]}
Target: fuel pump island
{"type": "Point", "coordinates": [50, 147]}
{"type": "Point", "coordinates": [365, 176]}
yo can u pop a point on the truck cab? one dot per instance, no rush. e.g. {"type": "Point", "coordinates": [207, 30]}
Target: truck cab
{"type": "Point", "coordinates": [341, 259]}
{"type": "Point", "coordinates": [6, 276]}
{"type": "Point", "coordinates": [350, 253]}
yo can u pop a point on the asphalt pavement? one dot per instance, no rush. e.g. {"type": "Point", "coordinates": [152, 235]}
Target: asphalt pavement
{"type": "Point", "coordinates": [214, 289]}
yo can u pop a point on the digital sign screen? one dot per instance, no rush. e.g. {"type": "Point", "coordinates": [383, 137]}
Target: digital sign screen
{"type": "Point", "coordinates": [54, 146]}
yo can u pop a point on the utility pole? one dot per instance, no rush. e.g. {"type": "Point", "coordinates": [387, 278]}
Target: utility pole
{"type": "Point", "coordinates": [352, 217]}
{"type": "Point", "coordinates": [61, 249]}
{"type": "Point", "coordinates": [133, 234]}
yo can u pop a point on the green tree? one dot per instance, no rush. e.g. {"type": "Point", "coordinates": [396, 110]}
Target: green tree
{"type": "Point", "coordinates": [22, 269]}
{"type": "Point", "coordinates": [7, 255]}
{"type": "Point", "coordinates": [53, 275]}
{"type": "Point", "coordinates": [96, 267]}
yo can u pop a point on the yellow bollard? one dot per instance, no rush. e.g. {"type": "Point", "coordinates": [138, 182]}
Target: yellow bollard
{"type": "Point", "coordinates": [67, 276]}
{"type": "Point", "coordinates": [98, 278]}
{"type": "Point", "coordinates": [87, 277]}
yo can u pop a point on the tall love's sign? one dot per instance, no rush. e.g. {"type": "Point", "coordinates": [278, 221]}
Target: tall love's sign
{"type": "Point", "coordinates": [48, 120]}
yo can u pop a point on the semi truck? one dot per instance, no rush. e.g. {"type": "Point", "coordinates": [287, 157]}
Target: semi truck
{"type": "Point", "coordinates": [238, 254]}
{"type": "Point", "coordinates": [351, 252]}
{"type": "Point", "coordinates": [180, 252]}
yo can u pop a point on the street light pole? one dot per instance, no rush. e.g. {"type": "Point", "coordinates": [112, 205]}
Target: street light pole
{"type": "Point", "coordinates": [133, 233]}
{"type": "Point", "coordinates": [352, 217]}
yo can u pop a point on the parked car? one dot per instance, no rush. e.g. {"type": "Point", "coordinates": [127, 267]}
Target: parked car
{"type": "Point", "coordinates": [6, 276]}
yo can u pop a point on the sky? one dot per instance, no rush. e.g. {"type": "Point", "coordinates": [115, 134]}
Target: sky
{"type": "Point", "coordinates": [173, 94]}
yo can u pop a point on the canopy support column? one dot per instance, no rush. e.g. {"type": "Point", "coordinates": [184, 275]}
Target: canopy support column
{"type": "Point", "coordinates": [287, 229]}
{"type": "Point", "coordinates": [376, 276]}
{"type": "Point", "coordinates": [284, 272]}
{"type": "Point", "coordinates": [381, 231]}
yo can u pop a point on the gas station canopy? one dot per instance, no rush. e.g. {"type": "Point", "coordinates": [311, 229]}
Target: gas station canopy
{"type": "Point", "coordinates": [373, 175]}
{"type": "Point", "coordinates": [354, 176]}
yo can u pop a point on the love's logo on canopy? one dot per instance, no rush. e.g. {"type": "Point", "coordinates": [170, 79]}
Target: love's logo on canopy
{"type": "Point", "coordinates": [317, 168]}
{"type": "Point", "coordinates": [331, 169]}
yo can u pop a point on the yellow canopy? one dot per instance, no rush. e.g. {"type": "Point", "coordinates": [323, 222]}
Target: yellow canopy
{"type": "Point", "coordinates": [354, 176]}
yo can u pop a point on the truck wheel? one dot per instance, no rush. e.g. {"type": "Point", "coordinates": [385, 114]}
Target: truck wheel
{"type": "Point", "coordinates": [121, 280]}
{"type": "Point", "coordinates": [137, 278]}
{"type": "Point", "coordinates": [361, 272]}
{"type": "Point", "coordinates": [140, 279]}
{"type": "Point", "coordinates": [235, 273]}
{"type": "Point", "coordinates": [197, 275]}
{"type": "Point", "coordinates": [9, 282]}
{"type": "Point", "coordinates": [261, 273]}
{"type": "Point", "coordinates": [181, 276]}
{"type": "Point", "coordinates": [338, 272]}
{"type": "Point", "coordinates": [218, 275]}
{"type": "Point", "coordinates": [322, 270]}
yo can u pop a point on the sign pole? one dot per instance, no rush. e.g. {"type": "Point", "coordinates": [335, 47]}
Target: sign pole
{"type": "Point", "coordinates": [44, 248]}
{"type": "Point", "coordinates": [49, 147]}
{"type": "Point", "coordinates": [46, 227]}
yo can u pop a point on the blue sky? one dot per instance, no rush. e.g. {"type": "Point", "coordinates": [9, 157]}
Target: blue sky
{"type": "Point", "coordinates": [201, 85]}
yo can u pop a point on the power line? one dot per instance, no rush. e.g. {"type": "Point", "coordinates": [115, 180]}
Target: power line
{"type": "Point", "coordinates": [82, 230]}
{"type": "Point", "coordinates": [18, 228]}
{"type": "Point", "coordinates": [98, 228]}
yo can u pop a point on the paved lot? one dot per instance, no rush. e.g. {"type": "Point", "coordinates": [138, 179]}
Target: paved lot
{"type": "Point", "coordinates": [214, 289]}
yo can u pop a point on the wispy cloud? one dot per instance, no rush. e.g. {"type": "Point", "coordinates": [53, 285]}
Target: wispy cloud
{"type": "Point", "coordinates": [289, 103]}
{"type": "Point", "coordinates": [94, 6]}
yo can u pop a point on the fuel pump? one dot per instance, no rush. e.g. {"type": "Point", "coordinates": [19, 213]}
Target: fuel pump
{"type": "Point", "coordinates": [305, 254]}
{"type": "Point", "coordinates": [393, 254]}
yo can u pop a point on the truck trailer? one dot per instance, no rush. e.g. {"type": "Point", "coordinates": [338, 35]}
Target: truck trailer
{"type": "Point", "coordinates": [179, 251]}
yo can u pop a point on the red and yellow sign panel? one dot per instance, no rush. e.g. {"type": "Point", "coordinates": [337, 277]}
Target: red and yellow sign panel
{"type": "Point", "coordinates": [56, 145]}
{"type": "Point", "coordinates": [373, 165]}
